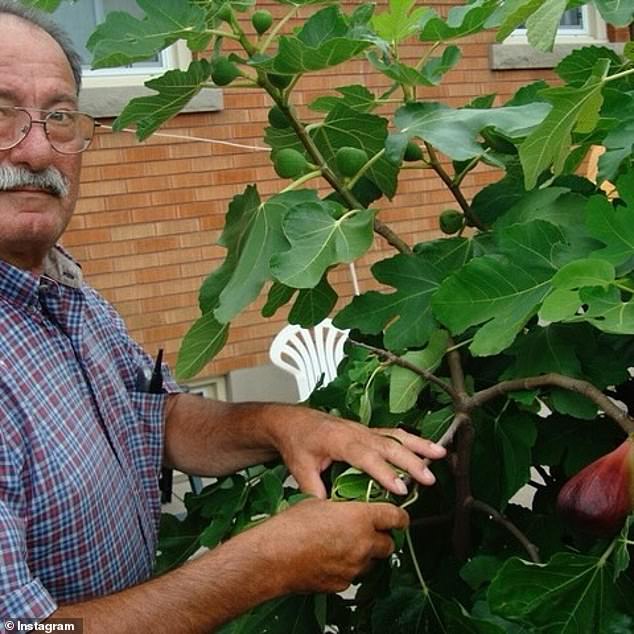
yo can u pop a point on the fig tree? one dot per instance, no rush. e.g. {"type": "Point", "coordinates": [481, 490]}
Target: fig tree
{"type": "Point", "coordinates": [451, 221]}
{"type": "Point", "coordinates": [262, 21]}
{"type": "Point", "coordinates": [224, 71]}
{"type": "Point", "coordinates": [599, 498]}
{"type": "Point", "coordinates": [289, 163]}
{"type": "Point", "coordinates": [277, 118]}
{"type": "Point", "coordinates": [350, 160]}
{"type": "Point", "coordinates": [413, 152]}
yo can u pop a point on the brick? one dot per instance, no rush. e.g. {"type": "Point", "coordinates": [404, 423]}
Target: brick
{"type": "Point", "coordinates": [132, 232]}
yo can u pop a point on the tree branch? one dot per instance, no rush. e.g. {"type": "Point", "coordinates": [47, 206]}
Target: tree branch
{"type": "Point", "coordinates": [461, 534]}
{"type": "Point", "coordinates": [316, 157]}
{"type": "Point", "coordinates": [457, 374]}
{"type": "Point", "coordinates": [383, 230]}
{"type": "Point", "coordinates": [557, 380]}
{"type": "Point", "coordinates": [496, 516]}
{"type": "Point", "coordinates": [396, 360]}
{"type": "Point", "coordinates": [453, 188]}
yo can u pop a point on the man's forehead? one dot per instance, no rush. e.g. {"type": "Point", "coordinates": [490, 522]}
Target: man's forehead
{"type": "Point", "coordinates": [30, 50]}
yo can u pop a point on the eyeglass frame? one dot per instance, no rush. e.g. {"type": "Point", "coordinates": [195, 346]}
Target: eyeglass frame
{"type": "Point", "coordinates": [44, 123]}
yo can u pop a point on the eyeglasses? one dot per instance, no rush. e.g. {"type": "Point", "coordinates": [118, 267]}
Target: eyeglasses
{"type": "Point", "coordinates": [67, 131]}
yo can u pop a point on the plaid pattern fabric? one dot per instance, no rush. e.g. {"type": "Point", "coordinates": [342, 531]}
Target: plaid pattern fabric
{"type": "Point", "coordinates": [80, 449]}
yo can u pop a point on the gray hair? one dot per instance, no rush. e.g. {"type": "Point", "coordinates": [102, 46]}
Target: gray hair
{"type": "Point", "coordinates": [45, 22]}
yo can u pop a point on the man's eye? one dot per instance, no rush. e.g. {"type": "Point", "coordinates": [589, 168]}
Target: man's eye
{"type": "Point", "coordinates": [60, 117]}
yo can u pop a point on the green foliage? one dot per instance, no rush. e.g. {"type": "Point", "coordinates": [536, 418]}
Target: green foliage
{"type": "Point", "coordinates": [516, 329]}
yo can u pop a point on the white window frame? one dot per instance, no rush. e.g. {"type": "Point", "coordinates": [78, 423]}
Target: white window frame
{"type": "Point", "coordinates": [595, 30]}
{"type": "Point", "coordinates": [516, 54]}
{"type": "Point", "coordinates": [214, 387]}
{"type": "Point", "coordinates": [176, 56]}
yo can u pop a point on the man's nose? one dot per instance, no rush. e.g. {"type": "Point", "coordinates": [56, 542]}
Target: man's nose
{"type": "Point", "coordinates": [35, 150]}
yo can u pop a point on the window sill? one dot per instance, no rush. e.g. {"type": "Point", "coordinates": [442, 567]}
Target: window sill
{"type": "Point", "coordinates": [519, 55]}
{"type": "Point", "coordinates": [109, 101]}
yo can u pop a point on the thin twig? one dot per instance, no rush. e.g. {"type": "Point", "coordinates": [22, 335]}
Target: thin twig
{"type": "Point", "coordinates": [396, 360]}
{"type": "Point", "coordinates": [447, 438]}
{"type": "Point", "coordinates": [453, 188]}
{"type": "Point", "coordinates": [496, 516]}
{"type": "Point", "coordinates": [556, 380]}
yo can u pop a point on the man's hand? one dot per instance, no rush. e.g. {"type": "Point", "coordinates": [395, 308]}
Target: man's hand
{"type": "Point", "coordinates": [322, 546]}
{"type": "Point", "coordinates": [309, 441]}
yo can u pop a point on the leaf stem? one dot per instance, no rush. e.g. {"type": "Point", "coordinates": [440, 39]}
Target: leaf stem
{"type": "Point", "coordinates": [353, 181]}
{"type": "Point", "coordinates": [276, 29]}
{"type": "Point", "coordinates": [228, 34]}
{"type": "Point", "coordinates": [502, 520]}
{"type": "Point", "coordinates": [620, 75]}
{"type": "Point", "coordinates": [423, 60]}
{"type": "Point", "coordinates": [412, 554]}
{"type": "Point", "coordinates": [458, 178]}
{"type": "Point", "coordinates": [300, 181]}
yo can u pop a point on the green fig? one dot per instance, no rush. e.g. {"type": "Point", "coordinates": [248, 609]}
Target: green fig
{"type": "Point", "coordinates": [598, 499]}
{"type": "Point", "coordinates": [278, 119]}
{"type": "Point", "coordinates": [262, 21]}
{"type": "Point", "coordinates": [224, 71]}
{"type": "Point", "coordinates": [413, 152]}
{"type": "Point", "coordinates": [225, 13]}
{"type": "Point", "coordinates": [451, 221]}
{"type": "Point", "coordinates": [350, 160]}
{"type": "Point", "coordinates": [289, 163]}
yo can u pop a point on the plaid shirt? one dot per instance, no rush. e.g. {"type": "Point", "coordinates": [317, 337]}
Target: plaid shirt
{"type": "Point", "coordinates": [80, 449]}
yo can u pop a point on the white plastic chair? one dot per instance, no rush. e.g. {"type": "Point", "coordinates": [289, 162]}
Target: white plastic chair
{"type": "Point", "coordinates": [309, 353]}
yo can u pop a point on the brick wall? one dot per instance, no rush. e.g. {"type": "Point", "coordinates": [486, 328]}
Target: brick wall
{"type": "Point", "coordinates": [149, 216]}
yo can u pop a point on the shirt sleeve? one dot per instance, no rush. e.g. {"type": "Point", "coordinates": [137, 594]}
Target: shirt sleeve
{"type": "Point", "coordinates": [21, 594]}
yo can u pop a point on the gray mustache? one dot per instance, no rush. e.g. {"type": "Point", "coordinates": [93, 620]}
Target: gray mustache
{"type": "Point", "coordinates": [49, 179]}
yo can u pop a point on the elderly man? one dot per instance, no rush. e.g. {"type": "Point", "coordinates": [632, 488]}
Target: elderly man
{"type": "Point", "coordinates": [80, 449]}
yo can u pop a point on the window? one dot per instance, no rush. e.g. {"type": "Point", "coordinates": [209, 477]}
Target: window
{"type": "Point", "coordinates": [582, 22]}
{"type": "Point", "coordinates": [581, 26]}
{"type": "Point", "coordinates": [80, 19]}
{"type": "Point", "coordinates": [574, 21]}
{"type": "Point", "coordinates": [106, 91]}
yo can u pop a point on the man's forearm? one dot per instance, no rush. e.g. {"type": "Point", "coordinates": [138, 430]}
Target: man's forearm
{"type": "Point", "coordinates": [206, 437]}
{"type": "Point", "coordinates": [196, 598]}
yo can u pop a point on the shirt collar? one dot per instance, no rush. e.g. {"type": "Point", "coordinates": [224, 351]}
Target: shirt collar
{"type": "Point", "coordinates": [20, 286]}
{"type": "Point", "coordinates": [60, 266]}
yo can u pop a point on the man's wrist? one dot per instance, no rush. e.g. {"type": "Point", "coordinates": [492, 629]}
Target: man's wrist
{"type": "Point", "coordinates": [274, 419]}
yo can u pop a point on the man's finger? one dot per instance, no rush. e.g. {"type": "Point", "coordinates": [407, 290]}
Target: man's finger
{"type": "Point", "coordinates": [309, 481]}
{"type": "Point", "coordinates": [387, 516]}
{"type": "Point", "coordinates": [421, 446]}
{"type": "Point", "coordinates": [383, 546]}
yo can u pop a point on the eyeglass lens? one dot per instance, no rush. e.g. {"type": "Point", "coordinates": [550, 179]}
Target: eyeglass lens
{"type": "Point", "coordinates": [67, 132]}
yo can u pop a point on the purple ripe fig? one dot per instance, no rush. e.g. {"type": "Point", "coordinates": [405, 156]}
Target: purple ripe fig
{"type": "Point", "coordinates": [599, 498]}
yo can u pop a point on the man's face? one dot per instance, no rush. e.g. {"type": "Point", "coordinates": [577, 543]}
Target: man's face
{"type": "Point", "coordinates": [35, 74]}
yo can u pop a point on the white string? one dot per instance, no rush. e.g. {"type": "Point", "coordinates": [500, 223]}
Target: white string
{"type": "Point", "coordinates": [355, 281]}
{"type": "Point", "coordinates": [193, 138]}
